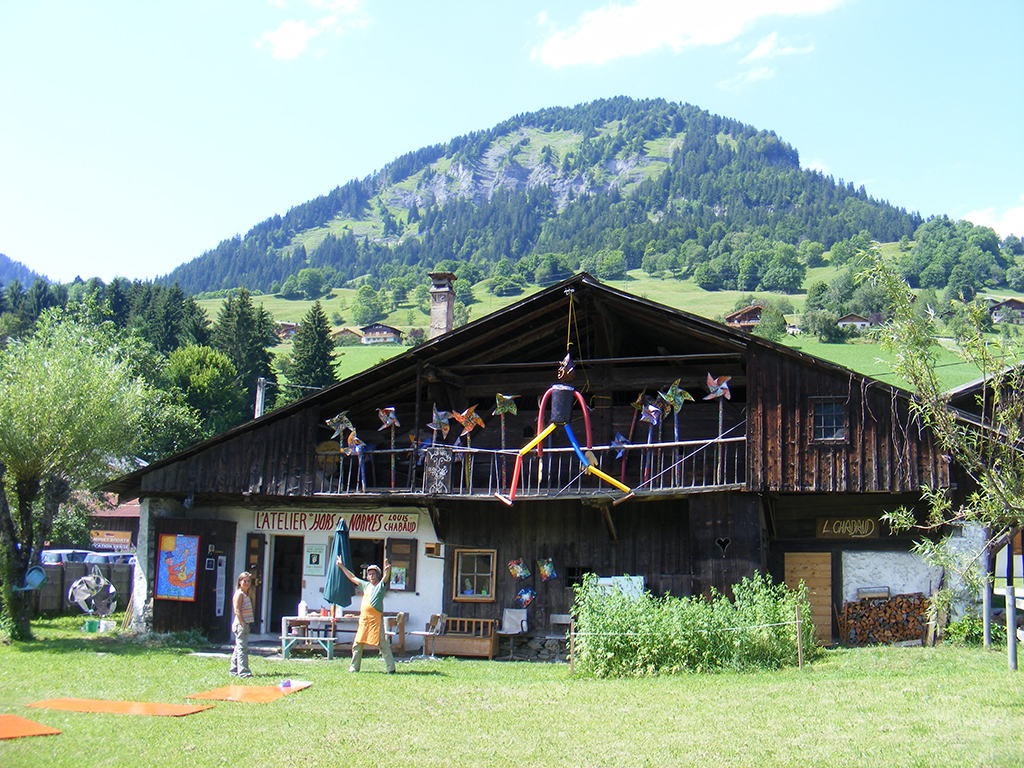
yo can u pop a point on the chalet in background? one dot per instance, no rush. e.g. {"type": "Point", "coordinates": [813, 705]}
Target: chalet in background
{"type": "Point", "coordinates": [788, 471]}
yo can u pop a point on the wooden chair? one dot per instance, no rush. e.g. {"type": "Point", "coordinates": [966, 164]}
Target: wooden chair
{"type": "Point", "coordinates": [434, 628]}
{"type": "Point", "coordinates": [513, 622]}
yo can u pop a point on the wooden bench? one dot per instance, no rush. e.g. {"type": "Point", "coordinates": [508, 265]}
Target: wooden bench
{"type": "Point", "coordinates": [467, 637]}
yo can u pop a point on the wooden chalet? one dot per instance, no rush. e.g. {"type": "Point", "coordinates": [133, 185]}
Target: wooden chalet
{"type": "Point", "coordinates": [745, 319]}
{"type": "Point", "coordinates": [790, 475]}
{"type": "Point", "coordinates": [378, 333]}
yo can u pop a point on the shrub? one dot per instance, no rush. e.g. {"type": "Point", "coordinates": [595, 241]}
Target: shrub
{"type": "Point", "coordinates": [970, 630]}
{"type": "Point", "coordinates": [619, 634]}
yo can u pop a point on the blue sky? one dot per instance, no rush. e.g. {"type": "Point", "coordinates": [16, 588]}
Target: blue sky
{"type": "Point", "coordinates": [136, 135]}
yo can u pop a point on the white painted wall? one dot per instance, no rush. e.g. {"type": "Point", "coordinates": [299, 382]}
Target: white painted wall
{"type": "Point", "coordinates": [904, 573]}
{"type": "Point", "coordinates": [426, 600]}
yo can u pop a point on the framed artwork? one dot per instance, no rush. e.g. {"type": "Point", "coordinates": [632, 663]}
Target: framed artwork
{"type": "Point", "coordinates": [177, 560]}
{"type": "Point", "coordinates": [315, 560]}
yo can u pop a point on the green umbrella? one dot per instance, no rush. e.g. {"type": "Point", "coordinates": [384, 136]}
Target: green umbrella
{"type": "Point", "coordinates": [339, 590]}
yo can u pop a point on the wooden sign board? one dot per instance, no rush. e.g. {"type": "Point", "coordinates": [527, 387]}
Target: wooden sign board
{"type": "Point", "coordinates": [847, 528]}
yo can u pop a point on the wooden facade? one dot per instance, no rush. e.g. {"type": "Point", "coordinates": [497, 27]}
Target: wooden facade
{"type": "Point", "coordinates": [797, 435]}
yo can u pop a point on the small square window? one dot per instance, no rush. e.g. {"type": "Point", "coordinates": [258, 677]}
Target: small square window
{"type": "Point", "coordinates": [829, 420]}
{"type": "Point", "coordinates": [474, 575]}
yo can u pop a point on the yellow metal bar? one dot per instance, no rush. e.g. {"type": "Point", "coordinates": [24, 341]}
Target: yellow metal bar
{"type": "Point", "coordinates": [607, 478]}
{"type": "Point", "coordinates": [533, 443]}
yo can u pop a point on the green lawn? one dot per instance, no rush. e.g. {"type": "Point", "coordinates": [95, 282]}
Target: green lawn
{"type": "Point", "coordinates": [930, 707]}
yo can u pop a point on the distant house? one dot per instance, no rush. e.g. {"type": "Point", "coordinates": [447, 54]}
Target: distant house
{"type": "Point", "coordinates": [378, 333]}
{"type": "Point", "coordinates": [1009, 311]}
{"type": "Point", "coordinates": [745, 319]}
{"type": "Point", "coordinates": [344, 334]}
{"type": "Point", "coordinates": [853, 321]}
{"type": "Point", "coordinates": [286, 330]}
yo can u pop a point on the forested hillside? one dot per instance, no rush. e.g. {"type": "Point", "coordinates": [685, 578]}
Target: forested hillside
{"type": "Point", "coordinates": [598, 186]}
{"type": "Point", "coordinates": [15, 270]}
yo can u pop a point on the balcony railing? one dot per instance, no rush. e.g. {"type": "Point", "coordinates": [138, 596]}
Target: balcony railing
{"type": "Point", "coordinates": [460, 471]}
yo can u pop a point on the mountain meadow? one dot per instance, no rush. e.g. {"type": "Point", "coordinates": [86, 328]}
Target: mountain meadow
{"type": "Point", "coordinates": [661, 199]}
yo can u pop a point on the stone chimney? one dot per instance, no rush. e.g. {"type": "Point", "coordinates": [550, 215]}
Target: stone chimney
{"type": "Point", "coordinates": [442, 304]}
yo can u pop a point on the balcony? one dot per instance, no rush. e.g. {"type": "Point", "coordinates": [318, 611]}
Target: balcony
{"type": "Point", "coordinates": [655, 469]}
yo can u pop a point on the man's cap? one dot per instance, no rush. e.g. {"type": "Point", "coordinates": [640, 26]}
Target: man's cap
{"type": "Point", "coordinates": [373, 568]}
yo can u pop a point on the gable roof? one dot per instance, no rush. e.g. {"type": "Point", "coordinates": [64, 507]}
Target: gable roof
{"type": "Point", "coordinates": [524, 337]}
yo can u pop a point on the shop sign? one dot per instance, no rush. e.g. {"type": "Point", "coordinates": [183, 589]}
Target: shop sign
{"type": "Point", "coordinates": [847, 528]}
{"type": "Point", "coordinates": [382, 524]}
{"type": "Point", "coordinates": [110, 539]}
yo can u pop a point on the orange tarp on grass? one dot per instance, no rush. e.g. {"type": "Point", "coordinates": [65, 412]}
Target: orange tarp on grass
{"type": "Point", "coordinates": [257, 693]}
{"type": "Point", "coordinates": [121, 707]}
{"type": "Point", "coordinates": [12, 726]}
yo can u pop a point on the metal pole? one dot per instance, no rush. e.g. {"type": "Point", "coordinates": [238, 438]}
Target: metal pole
{"type": "Point", "coordinates": [986, 595]}
{"type": "Point", "coordinates": [799, 639]}
{"type": "Point", "coordinates": [1011, 607]}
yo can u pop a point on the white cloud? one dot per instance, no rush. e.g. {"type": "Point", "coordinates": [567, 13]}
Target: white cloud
{"type": "Point", "coordinates": [643, 26]}
{"type": "Point", "coordinates": [1009, 222]}
{"type": "Point", "coordinates": [291, 39]}
{"type": "Point", "coordinates": [769, 48]}
{"type": "Point", "coordinates": [750, 76]}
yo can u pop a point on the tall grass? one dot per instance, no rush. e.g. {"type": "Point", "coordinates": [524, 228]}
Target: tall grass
{"type": "Point", "coordinates": [621, 634]}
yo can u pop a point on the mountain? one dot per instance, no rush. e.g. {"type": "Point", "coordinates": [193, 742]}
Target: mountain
{"type": "Point", "coordinates": [15, 270]}
{"type": "Point", "coordinates": [612, 180]}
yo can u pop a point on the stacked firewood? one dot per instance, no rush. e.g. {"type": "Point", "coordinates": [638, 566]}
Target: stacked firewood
{"type": "Point", "coordinates": [884, 620]}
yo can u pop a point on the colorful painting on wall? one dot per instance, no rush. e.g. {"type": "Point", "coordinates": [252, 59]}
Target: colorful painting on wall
{"type": "Point", "coordinates": [177, 559]}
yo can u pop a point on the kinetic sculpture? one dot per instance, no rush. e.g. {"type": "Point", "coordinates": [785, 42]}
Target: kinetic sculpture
{"type": "Point", "coordinates": [561, 396]}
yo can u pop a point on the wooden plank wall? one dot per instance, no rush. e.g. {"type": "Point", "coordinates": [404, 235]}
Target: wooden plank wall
{"type": "Point", "coordinates": [652, 540]}
{"type": "Point", "coordinates": [276, 460]}
{"type": "Point", "coordinates": [886, 448]}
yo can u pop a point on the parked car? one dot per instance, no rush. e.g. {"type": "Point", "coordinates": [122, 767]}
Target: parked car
{"type": "Point", "coordinates": [58, 556]}
{"type": "Point", "coordinates": [110, 557]}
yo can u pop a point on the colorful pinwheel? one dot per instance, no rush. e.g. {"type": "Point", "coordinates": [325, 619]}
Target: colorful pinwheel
{"type": "Point", "coordinates": [440, 422]}
{"type": "Point", "coordinates": [469, 420]}
{"type": "Point", "coordinates": [504, 404]}
{"type": "Point", "coordinates": [389, 419]}
{"type": "Point", "coordinates": [674, 398]}
{"type": "Point", "coordinates": [718, 388]}
{"type": "Point", "coordinates": [620, 442]}
{"type": "Point", "coordinates": [340, 423]}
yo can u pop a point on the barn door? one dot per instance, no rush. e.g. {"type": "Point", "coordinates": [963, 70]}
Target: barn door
{"type": "Point", "coordinates": [815, 570]}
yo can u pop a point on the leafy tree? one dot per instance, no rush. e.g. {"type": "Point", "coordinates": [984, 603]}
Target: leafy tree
{"type": "Point", "coordinates": [986, 449]}
{"type": "Point", "coordinates": [785, 272]}
{"type": "Point", "coordinates": [310, 282]}
{"type": "Point", "coordinates": [823, 323]}
{"type": "Point", "coordinates": [812, 253]}
{"type": "Point", "coordinates": [367, 307]}
{"type": "Point", "coordinates": [70, 408]}
{"type": "Point", "coordinates": [205, 379]}
{"type": "Point", "coordinates": [313, 351]}
{"type": "Point", "coordinates": [772, 325]}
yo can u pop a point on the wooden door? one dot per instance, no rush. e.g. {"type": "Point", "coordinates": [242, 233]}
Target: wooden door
{"type": "Point", "coordinates": [815, 570]}
{"type": "Point", "coordinates": [255, 549]}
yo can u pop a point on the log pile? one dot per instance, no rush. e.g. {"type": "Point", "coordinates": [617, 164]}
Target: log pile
{"type": "Point", "coordinates": [873, 621]}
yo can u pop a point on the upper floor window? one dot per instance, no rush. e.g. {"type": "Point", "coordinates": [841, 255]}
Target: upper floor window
{"type": "Point", "coordinates": [829, 419]}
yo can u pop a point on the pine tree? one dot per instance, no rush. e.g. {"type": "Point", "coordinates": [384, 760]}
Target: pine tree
{"type": "Point", "coordinates": [245, 334]}
{"type": "Point", "coordinates": [313, 348]}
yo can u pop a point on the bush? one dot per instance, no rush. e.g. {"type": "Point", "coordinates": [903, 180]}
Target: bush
{"type": "Point", "coordinates": [970, 630]}
{"type": "Point", "coordinates": [620, 635]}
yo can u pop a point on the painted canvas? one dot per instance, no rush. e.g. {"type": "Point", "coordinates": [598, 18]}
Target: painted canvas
{"type": "Point", "coordinates": [177, 559]}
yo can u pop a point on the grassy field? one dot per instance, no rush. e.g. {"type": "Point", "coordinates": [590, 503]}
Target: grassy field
{"type": "Point", "coordinates": [932, 707]}
{"type": "Point", "coordinates": [860, 355]}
